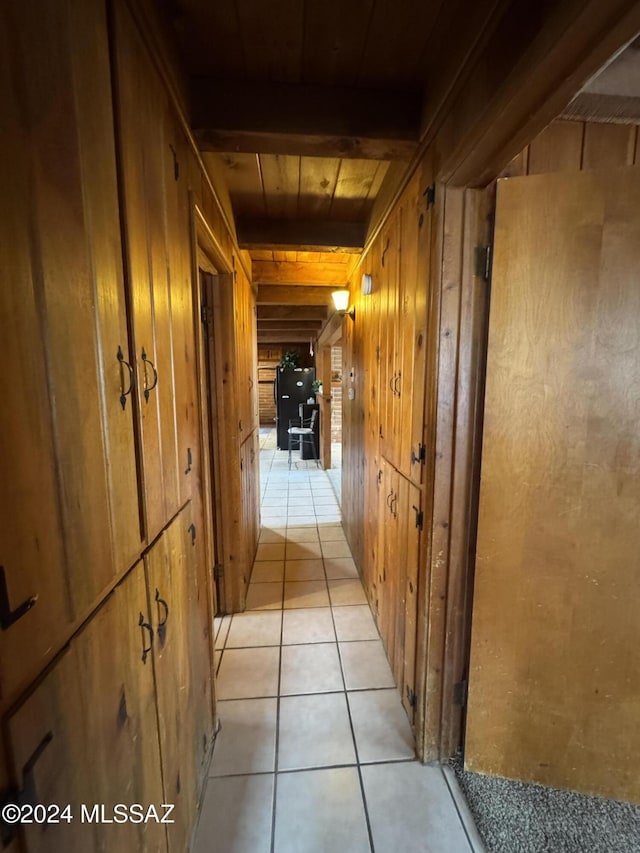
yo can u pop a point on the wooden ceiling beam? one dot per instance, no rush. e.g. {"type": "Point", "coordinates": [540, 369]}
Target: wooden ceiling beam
{"type": "Point", "coordinates": [288, 272]}
{"type": "Point", "coordinates": [292, 312]}
{"type": "Point", "coordinates": [286, 337]}
{"type": "Point", "coordinates": [312, 121]}
{"type": "Point", "coordinates": [292, 294]}
{"type": "Point", "coordinates": [301, 235]}
{"type": "Point", "coordinates": [332, 331]}
{"type": "Point", "coordinates": [292, 325]}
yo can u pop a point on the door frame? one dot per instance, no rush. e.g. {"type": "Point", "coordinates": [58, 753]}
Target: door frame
{"type": "Point", "coordinates": [213, 394]}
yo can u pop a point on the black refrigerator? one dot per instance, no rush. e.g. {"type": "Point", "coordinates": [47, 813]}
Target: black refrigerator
{"type": "Point", "coordinates": [292, 387]}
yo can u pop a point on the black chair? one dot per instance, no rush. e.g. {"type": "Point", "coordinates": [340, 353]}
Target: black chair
{"type": "Point", "coordinates": [304, 433]}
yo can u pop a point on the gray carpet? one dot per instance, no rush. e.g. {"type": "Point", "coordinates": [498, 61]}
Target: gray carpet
{"type": "Point", "coordinates": [513, 817]}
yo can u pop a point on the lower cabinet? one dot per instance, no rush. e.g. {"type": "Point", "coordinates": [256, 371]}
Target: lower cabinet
{"type": "Point", "coordinates": [183, 683]}
{"type": "Point", "coordinates": [123, 716]}
{"type": "Point", "coordinates": [396, 576]}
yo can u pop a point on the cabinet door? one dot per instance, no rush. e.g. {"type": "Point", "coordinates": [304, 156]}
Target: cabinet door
{"type": "Point", "coordinates": [179, 254]}
{"type": "Point", "coordinates": [68, 470]}
{"type": "Point", "coordinates": [411, 330]}
{"type": "Point", "coordinates": [141, 104]}
{"type": "Point", "coordinates": [407, 621]}
{"type": "Point", "coordinates": [122, 757]}
{"type": "Point", "coordinates": [88, 733]}
{"type": "Point", "coordinates": [388, 307]}
{"type": "Point", "coordinates": [387, 562]}
{"type": "Point", "coordinates": [50, 762]}
{"type": "Point", "coordinates": [181, 658]}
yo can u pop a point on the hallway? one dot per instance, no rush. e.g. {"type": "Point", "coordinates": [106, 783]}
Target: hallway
{"type": "Point", "coordinates": [315, 751]}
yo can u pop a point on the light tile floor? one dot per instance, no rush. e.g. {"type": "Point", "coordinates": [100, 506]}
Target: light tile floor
{"type": "Point", "coordinates": [315, 752]}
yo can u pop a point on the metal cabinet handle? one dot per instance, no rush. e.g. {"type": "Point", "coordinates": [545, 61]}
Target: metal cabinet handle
{"type": "Point", "coordinates": [189, 461]}
{"type": "Point", "coordinates": [394, 506]}
{"type": "Point", "coordinates": [396, 390]}
{"type": "Point", "coordinates": [390, 498]}
{"type": "Point", "coordinates": [148, 388]}
{"type": "Point", "coordinates": [391, 384]}
{"type": "Point", "coordinates": [124, 363]}
{"type": "Point", "coordinates": [164, 604]}
{"type": "Point", "coordinates": [145, 626]}
{"type": "Point", "coordinates": [161, 629]}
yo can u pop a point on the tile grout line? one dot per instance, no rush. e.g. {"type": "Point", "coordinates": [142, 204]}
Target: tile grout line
{"type": "Point", "coordinates": [277, 740]}
{"type": "Point", "coordinates": [353, 736]}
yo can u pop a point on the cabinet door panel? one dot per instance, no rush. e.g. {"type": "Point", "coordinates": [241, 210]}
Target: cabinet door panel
{"type": "Point", "coordinates": [140, 104]}
{"type": "Point", "coordinates": [48, 749]}
{"type": "Point", "coordinates": [122, 759]}
{"type": "Point", "coordinates": [407, 682]}
{"type": "Point", "coordinates": [66, 308]}
{"type": "Point", "coordinates": [91, 725]}
{"type": "Point", "coordinates": [182, 305]}
{"type": "Point", "coordinates": [178, 659]}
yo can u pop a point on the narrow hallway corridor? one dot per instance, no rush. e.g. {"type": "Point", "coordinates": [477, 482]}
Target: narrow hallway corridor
{"type": "Point", "coordinates": [315, 752]}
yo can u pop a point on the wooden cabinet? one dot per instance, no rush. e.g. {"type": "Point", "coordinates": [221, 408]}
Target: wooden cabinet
{"type": "Point", "coordinates": [67, 461]}
{"type": "Point", "coordinates": [88, 732]}
{"type": "Point", "coordinates": [147, 170]}
{"type": "Point", "coordinates": [401, 265]}
{"type": "Point", "coordinates": [125, 714]}
{"type": "Point", "coordinates": [182, 672]}
{"type": "Point", "coordinates": [396, 576]}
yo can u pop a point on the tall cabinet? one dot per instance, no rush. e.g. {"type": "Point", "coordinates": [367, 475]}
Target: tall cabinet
{"type": "Point", "coordinates": [106, 683]}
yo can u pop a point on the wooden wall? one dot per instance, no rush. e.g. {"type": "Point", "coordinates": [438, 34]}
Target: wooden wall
{"type": "Point", "coordinates": [571, 146]}
{"type": "Point", "coordinates": [384, 356]}
{"type": "Point", "coordinates": [106, 674]}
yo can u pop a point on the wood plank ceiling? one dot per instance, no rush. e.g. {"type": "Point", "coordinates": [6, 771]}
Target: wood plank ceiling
{"type": "Point", "coordinates": [308, 114]}
{"type": "Point", "coordinates": [305, 112]}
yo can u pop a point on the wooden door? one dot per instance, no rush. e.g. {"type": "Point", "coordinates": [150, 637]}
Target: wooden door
{"type": "Point", "coordinates": [68, 488]}
{"type": "Point", "coordinates": [121, 761]}
{"type": "Point", "coordinates": [179, 258]}
{"type": "Point", "coordinates": [556, 638]}
{"type": "Point", "coordinates": [88, 732]}
{"type": "Point", "coordinates": [411, 551]}
{"type": "Point", "coordinates": [182, 670]}
{"type": "Point", "coordinates": [48, 749]}
{"type": "Point", "coordinates": [146, 168]}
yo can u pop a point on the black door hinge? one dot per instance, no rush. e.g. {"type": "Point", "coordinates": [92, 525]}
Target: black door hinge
{"type": "Point", "coordinates": [460, 693]}
{"type": "Point", "coordinates": [419, 517]}
{"type": "Point", "coordinates": [192, 530]}
{"type": "Point", "coordinates": [422, 454]}
{"type": "Point", "coordinates": [482, 262]}
{"type": "Point", "coordinates": [218, 571]}
{"type": "Point", "coordinates": [412, 698]}
{"type": "Point", "coordinates": [430, 195]}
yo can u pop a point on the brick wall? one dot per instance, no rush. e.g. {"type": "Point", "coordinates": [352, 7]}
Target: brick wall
{"type": "Point", "coordinates": [336, 393]}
